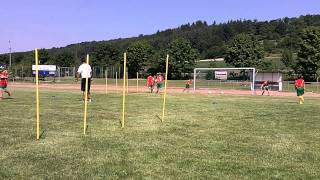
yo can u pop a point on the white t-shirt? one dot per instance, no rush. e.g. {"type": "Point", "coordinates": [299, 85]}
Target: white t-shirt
{"type": "Point", "coordinates": [82, 70]}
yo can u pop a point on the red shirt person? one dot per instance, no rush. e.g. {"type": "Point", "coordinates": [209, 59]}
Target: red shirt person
{"type": "Point", "coordinates": [4, 75]}
{"type": "Point", "coordinates": [300, 88]}
{"type": "Point", "coordinates": [188, 83]}
{"type": "Point", "coordinates": [159, 81]}
{"type": "Point", "coordinates": [150, 82]}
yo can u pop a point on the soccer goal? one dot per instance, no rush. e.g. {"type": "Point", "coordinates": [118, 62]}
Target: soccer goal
{"type": "Point", "coordinates": [224, 79]}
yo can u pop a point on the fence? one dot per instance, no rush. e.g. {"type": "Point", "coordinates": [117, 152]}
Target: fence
{"type": "Point", "coordinates": [67, 75]}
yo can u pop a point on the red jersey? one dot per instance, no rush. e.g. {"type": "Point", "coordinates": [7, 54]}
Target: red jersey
{"type": "Point", "coordinates": [160, 79]}
{"type": "Point", "coordinates": [150, 81]}
{"type": "Point", "coordinates": [4, 75]}
{"type": "Point", "coordinates": [299, 83]}
{"type": "Point", "coordinates": [189, 81]}
{"type": "Point", "coordinates": [265, 83]}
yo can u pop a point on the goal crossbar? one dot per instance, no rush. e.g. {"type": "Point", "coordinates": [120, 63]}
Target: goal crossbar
{"type": "Point", "coordinates": [244, 68]}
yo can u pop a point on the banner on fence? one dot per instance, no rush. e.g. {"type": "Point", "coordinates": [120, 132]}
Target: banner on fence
{"type": "Point", "coordinates": [222, 75]}
{"type": "Point", "coordinates": [45, 70]}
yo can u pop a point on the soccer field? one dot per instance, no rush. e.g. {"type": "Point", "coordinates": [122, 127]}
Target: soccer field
{"type": "Point", "coordinates": [202, 137]}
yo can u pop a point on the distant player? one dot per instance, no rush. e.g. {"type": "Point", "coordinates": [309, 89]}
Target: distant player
{"type": "Point", "coordinates": [300, 87]}
{"type": "Point", "coordinates": [265, 87]}
{"type": "Point", "coordinates": [4, 75]}
{"type": "Point", "coordinates": [150, 82]}
{"type": "Point", "coordinates": [159, 81]}
{"type": "Point", "coordinates": [83, 68]}
{"type": "Point", "coordinates": [188, 83]}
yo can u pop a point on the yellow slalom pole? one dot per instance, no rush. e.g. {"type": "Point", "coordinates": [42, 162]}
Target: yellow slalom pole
{"type": "Point", "coordinates": [137, 82]}
{"type": "Point", "coordinates": [37, 94]}
{"type": "Point", "coordinates": [86, 98]}
{"type": "Point", "coordinates": [116, 81]}
{"type": "Point", "coordinates": [127, 83]}
{"type": "Point", "coordinates": [165, 89]}
{"type": "Point", "coordinates": [124, 89]}
{"type": "Point", "coordinates": [106, 74]}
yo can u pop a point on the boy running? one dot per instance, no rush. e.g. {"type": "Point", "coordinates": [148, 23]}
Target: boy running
{"type": "Point", "coordinates": [300, 87]}
{"type": "Point", "coordinates": [188, 83]}
{"type": "Point", "coordinates": [150, 82]}
{"type": "Point", "coordinates": [4, 75]}
{"type": "Point", "coordinates": [159, 81]}
{"type": "Point", "coordinates": [265, 87]}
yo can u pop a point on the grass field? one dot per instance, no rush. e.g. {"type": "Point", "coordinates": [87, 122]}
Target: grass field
{"type": "Point", "coordinates": [202, 137]}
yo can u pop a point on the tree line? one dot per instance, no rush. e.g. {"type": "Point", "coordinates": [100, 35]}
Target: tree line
{"type": "Point", "coordinates": [241, 42]}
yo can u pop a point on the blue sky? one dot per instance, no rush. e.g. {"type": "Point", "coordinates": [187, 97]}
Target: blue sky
{"type": "Point", "coordinates": [33, 24]}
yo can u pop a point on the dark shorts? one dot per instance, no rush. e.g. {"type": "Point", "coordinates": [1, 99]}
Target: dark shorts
{"type": "Point", "coordinates": [265, 88]}
{"type": "Point", "coordinates": [3, 87]}
{"type": "Point", "coordinates": [300, 91]}
{"type": "Point", "coordinates": [159, 86]}
{"type": "Point", "coordinates": [83, 84]}
{"type": "Point", "coordinates": [187, 86]}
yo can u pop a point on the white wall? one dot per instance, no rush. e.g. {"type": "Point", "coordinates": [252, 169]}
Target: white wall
{"type": "Point", "coordinates": [273, 77]}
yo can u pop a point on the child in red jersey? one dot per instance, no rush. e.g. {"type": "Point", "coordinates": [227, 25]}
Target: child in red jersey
{"type": "Point", "coordinates": [300, 87]}
{"type": "Point", "coordinates": [4, 75]}
{"type": "Point", "coordinates": [265, 87]}
{"type": "Point", "coordinates": [150, 82]}
{"type": "Point", "coordinates": [159, 81]}
{"type": "Point", "coordinates": [188, 83]}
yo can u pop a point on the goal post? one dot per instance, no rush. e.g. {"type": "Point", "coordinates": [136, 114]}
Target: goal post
{"type": "Point", "coordinates": [223, 74]}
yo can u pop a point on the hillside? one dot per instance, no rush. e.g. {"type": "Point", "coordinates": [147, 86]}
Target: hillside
{"type": "Point", "coordinates": [210, 40]}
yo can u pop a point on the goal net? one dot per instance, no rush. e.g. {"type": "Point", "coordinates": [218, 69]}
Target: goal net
{"type": "Point", "coordinates": [220, 79]}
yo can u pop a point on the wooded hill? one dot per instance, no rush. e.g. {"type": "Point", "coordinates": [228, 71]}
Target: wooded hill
{"type": "Point", "coordinates": [199, 40]}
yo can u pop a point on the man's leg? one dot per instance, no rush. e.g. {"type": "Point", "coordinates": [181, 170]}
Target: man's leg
{"type": "Point", "coordinates": [89, 99]}
{"type": "Point", "coordinates": [6, 91]}
{"type": "Point", "coordinates": [1, 96]}
{"type": "Point", "coordinates": [83, 95]}
{"type": "Point", "coordinates": [300, 100]}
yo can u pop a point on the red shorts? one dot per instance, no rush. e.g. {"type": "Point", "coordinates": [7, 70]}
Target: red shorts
{"type": "Point", "coordinates": [3, 83]}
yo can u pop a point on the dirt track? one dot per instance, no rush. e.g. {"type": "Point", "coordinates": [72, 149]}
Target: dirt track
{"type": "Point", "coordinates": [101, 88]}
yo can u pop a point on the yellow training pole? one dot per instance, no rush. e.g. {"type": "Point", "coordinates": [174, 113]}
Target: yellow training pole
{"type": "Point", "coordinates": [86, 99]}
{"type": "Point", "coordinates": [165, 89]}
{"type": "Point", "coordinates": [127, 83]}
{"type": "Point", "coordinates": [106, 74]}
{"type": "Point", "coordinates": [116, 81]}
{"type": "Point", "coordinates": [137, 82]}
{"type": "Point", "coordinates": [124, 88]}
{"type": "Point", "coordinates": [37, 94]}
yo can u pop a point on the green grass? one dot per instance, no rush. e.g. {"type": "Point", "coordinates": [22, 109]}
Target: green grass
{"type": "Point", "coordinates": [202, 137]}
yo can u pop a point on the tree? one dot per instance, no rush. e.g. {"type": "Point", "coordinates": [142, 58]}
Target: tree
{"type": "Point", "coordinates": [44, 56]}
{"type": "Point", "coordinates": [105, 55]}
{"type": "Point", "coordinates": [308, 62]}
{"type": "Point", "coordinates": [64, 59]}
{"type": "Point", "coordinates": [182, 57]}
{"type": "Point", "coordinates": [244, 51]}
{"type": "Point", "coordinates": [287, 59]}
{"type": "Point", "coordinates": [138, 55]}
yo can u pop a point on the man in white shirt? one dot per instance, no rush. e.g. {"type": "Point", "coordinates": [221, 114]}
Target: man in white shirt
{"type": "Point", "coordinates": [84, 71]}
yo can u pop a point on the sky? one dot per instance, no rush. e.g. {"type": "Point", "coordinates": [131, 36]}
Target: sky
{"type": "Point", "coordinates": [30, 24]}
